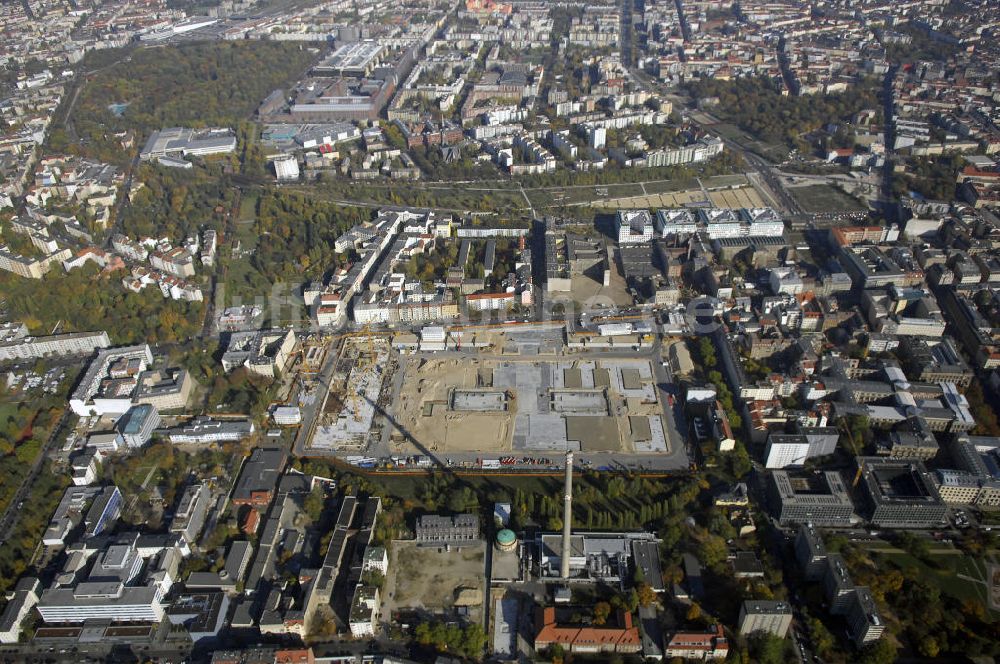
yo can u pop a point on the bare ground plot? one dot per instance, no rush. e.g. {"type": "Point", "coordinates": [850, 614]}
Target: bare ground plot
{"type": "Point", "coordinates": [422, 409]}
{"type": "Point", "coordinates": [736, 198]}
{"type": "Point", "coordinates": [677, 199]}
{"type": "Point", "coordinates": [824, 198]}
{"type": "Point", "coordinates": [430, 578]}
{"type": "Point", "coordinates": [590, 292]}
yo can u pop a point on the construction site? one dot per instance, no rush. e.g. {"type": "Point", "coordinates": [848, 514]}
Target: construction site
{"type": "Point", "coordinates": [356, 394]}
{"type": "Point", "coordinates": [497, 405]}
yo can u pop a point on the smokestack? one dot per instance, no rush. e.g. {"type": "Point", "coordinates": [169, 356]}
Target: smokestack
{"type": "Point", "coordinates": [567, 515]}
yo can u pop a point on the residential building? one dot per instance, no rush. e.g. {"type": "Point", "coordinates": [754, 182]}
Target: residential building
{"type": "Point", "coordinates": [770, 616]}
{"type": "Point", "coordinates": [810, 552]}
{"type": "Point", "coordinates": [708, 645]}
{"type": "Point", "coordinates": [263, 353]}
{"type": "Point", "coordinates": [18, 608]}
{"type": "Point", "coordinates": [364, 611]}
{"type": "Point", "coordinates": [23, 347]}
{"type": "Point", "coordinates": [863, 619]}
{"type": "Point", "coordinates": [189, 517]}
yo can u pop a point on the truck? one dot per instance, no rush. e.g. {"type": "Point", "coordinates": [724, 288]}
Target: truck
{"type": "Point", "coordinates": [490, 464]}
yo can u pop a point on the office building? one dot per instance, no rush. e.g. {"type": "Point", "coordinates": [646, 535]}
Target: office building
{"type": "Point", "coordinates": [620, 638]}
{"type": "Point", "coordinates": [180, 141]}
{"type": "Point", "coordinates": [116, 588]}
{"type": "Point", "coordinates": [634, 226]}
{"type": "Point", "coordinates": [899, 494]}
{"type": "Point", "coordinates": [709, 645]}
{"type": "Point", "coordinates": [164, 389]}
{"type": "Point", "coordinates": [820, 498]}
{"type": "Point", "coordinates": [107, 386]}
{"type": "Point", "coordinates": [137, 425]}
{"type": "Point", "coordinates": [103, 512]}
{"type": "Point", "coordinates": [202, 430]}
{"type": "Point", "coordinates": [68, 513]}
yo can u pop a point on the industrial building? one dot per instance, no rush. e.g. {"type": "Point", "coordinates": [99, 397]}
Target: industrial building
{"type": "Point", "coordinates": [259, 478]}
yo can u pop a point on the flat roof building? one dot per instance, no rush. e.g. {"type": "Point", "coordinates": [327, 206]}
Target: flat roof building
{"type": "Point", "coordinates": [770, 616]}
{"type": "Point", "coordinates": [819, 498]}
{"type": "Point", "coordinates": [899, 494]}
{"type": "Point", "coordinates": [437, 530]}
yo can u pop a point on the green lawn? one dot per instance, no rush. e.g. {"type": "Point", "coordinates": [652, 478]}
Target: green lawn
{"type": "Point", "coordinates": [772, 151]}
{"type": "Point", "coordinates": [946, 575]}
{"type": "Point", "coordinates": [670, 186]}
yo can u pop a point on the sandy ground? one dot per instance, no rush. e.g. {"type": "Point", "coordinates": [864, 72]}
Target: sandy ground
{"type": "Point", "coordinates": [429, 579]}
{"type": "Point", "coordinates": [426, 384]}
{"type": "Point", "coordinates": [734, 198]}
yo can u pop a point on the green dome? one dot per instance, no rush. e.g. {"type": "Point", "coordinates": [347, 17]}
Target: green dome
{"type": "Point", "coordinates": [506, 536]}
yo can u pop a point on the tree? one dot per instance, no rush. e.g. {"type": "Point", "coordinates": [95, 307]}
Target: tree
{"type": "Point", "coordinates": [882, 651]}
{"type": "Point", "coordinates": [314, 503]}
{"type": "Point", "coordinates": [929, 647]}
{"type": "Point", "coordinates": [601, 612]}
{"type": "Point", "coordinates": [766, 648]}
{"type": "Point", "coordinates": [646, 595]}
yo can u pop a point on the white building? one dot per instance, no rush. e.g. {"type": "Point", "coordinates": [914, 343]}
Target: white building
{"type": "Point", "coordinates": [634, 226]}
{"type": "Point", "coordinates": [376, 559]}
{"type": "Point", "coordinates": [286, 168]}
{"type": "Point", "coordinates": [286, 415]}
{"type": "Point", "coordinates": [784, 451]}
{"type": "Point", "coordinates": [18, 608]}
{"type": "Point", "coordinates": [364, 611]}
